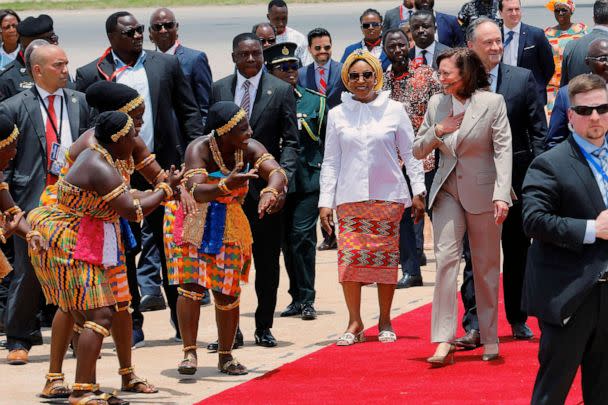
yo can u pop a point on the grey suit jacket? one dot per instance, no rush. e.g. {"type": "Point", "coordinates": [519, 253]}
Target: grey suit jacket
{"type": "Point", "coordinates": [575, 53]}
{"type": "Point", "coordinates": [27, 172]}
{"type": "Point", "coordinates": [481, 154]}
{"type": "Point", "coordinates": [392, 19]}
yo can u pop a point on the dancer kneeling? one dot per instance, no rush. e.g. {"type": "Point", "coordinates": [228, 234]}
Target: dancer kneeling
{"type": "Point", "coordinates": [211, 247]}
{"type": "Point", "coordinates": [83, 233]}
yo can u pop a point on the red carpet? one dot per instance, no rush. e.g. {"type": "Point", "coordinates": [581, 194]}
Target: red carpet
{"type": "Point", "coordinates": [373, 372]}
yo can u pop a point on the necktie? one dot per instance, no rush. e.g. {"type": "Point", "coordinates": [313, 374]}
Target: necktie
{"type": "Point", "coordinates": [246, 100]}
{"type": "Point", "coordinates": [51, 136]}
{"type": "Point", "coordinates": [424, 52]}
{"type": "Point", "coordinates": [410, 12]}
{"type": "Point", "coordinates": [322, 82]}
{"type": "Point", "coordinates": [509, 38]}
{"type": "Point", "coordinates": [492, 78]}
{"type": "Point", "coordinates": [603, 158]}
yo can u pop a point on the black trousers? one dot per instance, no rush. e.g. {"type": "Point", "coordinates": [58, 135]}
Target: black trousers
{"type": "Point", "coordinates": [299, 244]}
{"type": "Point", "coordinates": [136, 316]}
{"type": "Point", "coordinates": [267, 236]}
{"type": "Point", "coordinates": [581, 342]}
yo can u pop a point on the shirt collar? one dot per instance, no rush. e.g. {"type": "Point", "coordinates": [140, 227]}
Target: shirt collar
{"type": "Point", "coordinates": [326, 66]}
{"type": "Point", "coordinates": [494, 71]}
{"type": "Point", "coordinates": [173, 49]}
{"type": "Point", "coordinates": [44, 94]}
{"type": "Point", "coordinates": [586, 145]}
{"type": "Point", "coordinates": [255, 80]}
{"type": "Point", "coordinates": [515, 29]}
{"type": "Point", "coordinates": [119, 63]}
{"type": "Point", "coordinates": [430, 49]}
{"type": "Point", "coordinates": [12, 54]}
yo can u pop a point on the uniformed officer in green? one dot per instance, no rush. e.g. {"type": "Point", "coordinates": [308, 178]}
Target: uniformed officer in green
{"type": "Point", "coordinates": [14, 77]}
{"type": "Point", "coordinates": [301, 212]}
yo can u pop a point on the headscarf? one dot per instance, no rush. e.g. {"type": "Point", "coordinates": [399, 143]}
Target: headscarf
{"type": "Point", "coordinates": [364, 55]}
{"type": "Point", "coordinates": [223, 116]}
{"type": "Point", "coordinates": [8, 131]}
{"type": "Point", "coordinates": [112, 125]}
{"type": "Point", "coordinates": [552, 3]}
{"type": "Point", "coordinates": [110, 96]}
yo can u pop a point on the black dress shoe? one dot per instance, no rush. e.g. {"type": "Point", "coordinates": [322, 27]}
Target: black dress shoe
{"type": "Point", "coordinates": [152, 303]}
{"type": "Point", "coordinates": [329, 243]}
{"type": "Point", "coordinates": [292, 309]}
{"type": "Point", "coordinates": [238, 342]}
{"type": "Point", "coordinates": [408, 281]}
{"type": "Point", "coordinates": [521, 331]}
{"type": "Point", "coordinates": [308, 312]}
{"type": "Point", "coordinates": [263, 337]}
{"type": "Point", "coordinates": [470, 341]}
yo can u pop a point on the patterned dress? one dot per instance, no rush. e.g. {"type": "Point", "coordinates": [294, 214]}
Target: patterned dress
{"type": "Point", "coordinates": [85, 249]}
{"type": "Point", "coordinates": [558, 40]}
{"type": "Point", "coordinates": [222, 259]}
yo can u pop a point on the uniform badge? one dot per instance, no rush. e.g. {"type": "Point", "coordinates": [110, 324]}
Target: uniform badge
{"type": "Point", "coordinates": [22, 70]}
{"type": "Point", "coordinates": [26, 85]}
{"type": "Point", "coordinates": [285, 51]}
{"type": "Point", "coordinates": [74, 100]}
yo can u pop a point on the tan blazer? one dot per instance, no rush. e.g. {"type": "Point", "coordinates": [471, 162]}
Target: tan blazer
{"type": "Point", "coordinates": [480, 155]}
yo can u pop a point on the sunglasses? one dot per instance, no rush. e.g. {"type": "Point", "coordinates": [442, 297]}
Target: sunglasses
{"type": "Point", "coordinates": [269, 41]}
{"type": "Point", "coordinates": [367, 26]}
{"type": "Point", "coordinates": [587, 110]}
{"type": "Point", "coordinates": [353, 77]}
{"type": "Point", "coordinates": [130, 32]}
{"type": "Point", "coordinates": [600, 59]}
{"type": "Point", "coordinates": [326, 48]}
{"type": "Point", "coordinates": [166, 25]}
{"type": "Point", "coordinates": [286, 66]}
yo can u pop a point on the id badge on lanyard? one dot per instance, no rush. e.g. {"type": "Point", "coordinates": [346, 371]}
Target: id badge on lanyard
{"type": "Point", "coordinates": [57, 158]}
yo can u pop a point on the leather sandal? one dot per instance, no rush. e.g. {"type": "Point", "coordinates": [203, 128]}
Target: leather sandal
{"type": "Point", "coordinates": [188, 365]}
{"type": "Point", "coordinates": [135, 381]}
{"type": "Point", "coordinates": [95, 399]}
{"type": "Point", "coordinates": [232, 367]}
{"type": "Point", "coordinates": [55, 387]}
{"type": "Point", "coordinates": [387, 336]}
{"type": "Point", "coordinates": [350, 338]}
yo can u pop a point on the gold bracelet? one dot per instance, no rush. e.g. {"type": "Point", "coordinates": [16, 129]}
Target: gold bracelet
{"type": "Point", "coordinates": [148, 160]}
{"type": "Point", "coordinates": [270, 190]}
{"type": "Point", "coordinates": [2, 237]}
{"type": "Point", "coordinates": [158, 176]}
{"type": "Point", "coordinates": [31, 234]}
{"type": "Point", "coordinates": [192, 190]}
{"type": "Point", "coordinates": [139, 212]}
{"type": "Point", "coordinates": [166, 188]}
{"type": "Point", "coordinates": [262, 159]}
{"type": "Point", "coordinates": [279, 170]}
{"type": "Point", "coordinates": [3, 186]}
{"type": "Point", "coordinates": [14, 210]}
{"type": "Point", "coordinates": [223, 187]}
{"type": "Point", "coordinates": [115, 193]}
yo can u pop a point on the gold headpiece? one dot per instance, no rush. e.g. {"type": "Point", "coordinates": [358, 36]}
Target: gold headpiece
{"type": "Point", "coordinates": [364, 55]}
{"type": "Point", "coordinates": [131, 105]}
{"type": "Point", "coordinates": [125, 130]}
{"type": "Point", "coordinates": [224, 129]}
{"type": "Point", "coordinates": [11, 138]}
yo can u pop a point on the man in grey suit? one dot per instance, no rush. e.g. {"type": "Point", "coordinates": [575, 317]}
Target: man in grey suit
{"type": "Point", "coordinates": [49, 117]}
{"type": "Point", "coordinates": [396, 17]}
{"type": "Point", "coordinates": [427, 49]}
{"type": "Point", "coordinates": [574, 63]}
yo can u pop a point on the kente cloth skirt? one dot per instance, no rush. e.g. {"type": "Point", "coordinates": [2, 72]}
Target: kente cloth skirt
{"type": "Point", "coordinates": [368, 241]}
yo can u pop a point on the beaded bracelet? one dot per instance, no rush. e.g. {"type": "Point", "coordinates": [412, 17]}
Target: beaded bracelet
{"type": "Point", "coordinates": [166, 188]}
{"type": "Point", "coordinates": [14, 210]}
{"type": "Point", "coordinates": [30, 235]}
{"type": "Point", "coordinates": [192, 190]}
{"type": "Point", "coordinates": [279, 170]}
{"type": "Point", "coordinates": [2, 237]}
{"type": "Point", "coordinates": [148, 160]}
{"type": "Point", "coordinates": [262, 159]}
{"type": "Point", "coordinates": [270, 190]}
{"type": "Point", "coordinates": [223, 187]}
{"type": "Point", "coordinates": [158, 176]}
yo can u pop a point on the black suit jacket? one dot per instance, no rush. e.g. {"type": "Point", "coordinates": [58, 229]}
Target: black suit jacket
{"type": "Point", "coordinates": [559, 195]}
{"type": "Point", "coordinates": [177, 120]}
{"type": "Point", "coordinates": [198, 73]}
{"type": "Point", "coordinates": [439, 49]}
{"type": "Point", "coordinates": [534, 53]}
{"type": "Point", "coordinates": [26, 174]}
{"type": "Point", "coordinates": [273, 120]}
{"type": "Point", "coordinates": [526, 116]}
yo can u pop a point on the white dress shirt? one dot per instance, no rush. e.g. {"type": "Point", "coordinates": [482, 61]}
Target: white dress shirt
{"type": "Point", "coordinates": [510, 52]}
{"type": "Point", "coordinates": [63, 120]}
{"type": "Point", "coordinates": [291, 35]}
{"type": "Point", "coordinates": [430, 52]}
{"type": "Point", "coordinates": [360, 161]}
{"type": "Point", "coordinates": [253, 88]}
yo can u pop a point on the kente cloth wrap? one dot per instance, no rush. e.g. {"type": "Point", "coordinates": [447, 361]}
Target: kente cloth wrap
{"type": "Point", "coordinates": [5, 266]}
{"type": "Point", "coordinates": [223, 258]}
{"type": "Point", "coordinates": [84, 267]}
{"type": "Point", "coordinates": [368, 241]}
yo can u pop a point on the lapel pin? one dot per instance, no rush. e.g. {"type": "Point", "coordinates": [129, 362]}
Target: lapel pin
{"type": "Point", "coordinates": [74, 100]}
{"type": "Point", "coordinates": [269, 92]}
{"type": "Point", "coordinates": [22, 70]}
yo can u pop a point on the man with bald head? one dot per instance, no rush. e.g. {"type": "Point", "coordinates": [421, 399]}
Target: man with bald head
{"type": "Point", "coordinates": [49, 117]}
{"type": "Point", "coordinates": [597, 61]}
{"type": "Point", "coordinates": [266, 33]}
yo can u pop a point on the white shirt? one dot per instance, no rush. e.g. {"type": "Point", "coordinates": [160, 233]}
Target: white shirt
{"type": "Point", "coordinates": [360, 161]}
{"type": "Point", "coordinates": [376, 50]}
{"type": "Point", "coordinates": [510, 51]}
{"type": "Point", "coordinates": [291, 35]}
{"type": "Point", "coordinates": [457, 108]}
{"type": "Point", "coordinates": [63, 120]}
{"type": "Point", "coordinates": [253, 88]}
{"type": "Point", "coordinates": [6, 58]}
{"type": "Point", "coordinates": [429, 55]}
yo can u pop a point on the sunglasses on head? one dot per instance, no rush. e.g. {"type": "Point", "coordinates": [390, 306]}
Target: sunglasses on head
{"type": "Point", "coordinates": [326, 48]}
{"type": "Point", "coordinates": [130, 32]}
{"type": "Point", "coordinates": [286, 66]}
{"type": "Point", "coordinates": [269, 41]}
{"type": "Point", "coordinates": [166, 25]}
{"type": "Point", "coordinates": [587, 110]}
{"type": "Point", "coordinates": [367, 26]}
{"type": "Point", "coordinates": [600, 59]}
{"type": "Point", "coordinates": [353, 77]}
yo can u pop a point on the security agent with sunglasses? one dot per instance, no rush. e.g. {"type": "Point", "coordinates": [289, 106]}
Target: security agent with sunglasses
{"type": "Point", "coordinates": [565, 195]}
{"type": "Point", "coordinates": [371, 27]}
{"type": "Point", "coordinates": [597, 61]}
{"type": "Point", "coordinates": [171, 120]}
{"type": "Point", "coordinates": [300, 212]}
{"type": "Point", "coordinates": [266, 33]}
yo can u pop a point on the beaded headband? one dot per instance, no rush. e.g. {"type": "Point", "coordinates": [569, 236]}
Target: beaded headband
{"type": "Point", "coordinates": [131, 105]}
{"type": "Point", "coordinates": [224, 129]}
{"type": "Point", "coordinates": [11, 138]}
{"type": "Point", "coordinates": [125, 130]}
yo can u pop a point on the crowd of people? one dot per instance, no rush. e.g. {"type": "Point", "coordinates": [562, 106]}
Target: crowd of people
{"type": "Point", "coordinates": [142, 172]}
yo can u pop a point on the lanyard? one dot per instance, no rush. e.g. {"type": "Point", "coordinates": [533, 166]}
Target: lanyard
{"type": "Point", "coordinates": [596, 165]}
{"type": "Point", "coordinates": [48, 116]}
{"type": "Point", "coordinates": [116, 72]}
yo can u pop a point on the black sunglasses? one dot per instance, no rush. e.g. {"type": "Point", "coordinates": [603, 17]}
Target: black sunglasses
{"type": "Point", "coordinates": [326, 48]}
{"type": "Point", "coordinates": [130, 32]}
{"type": "Point", "coordinates": [367, 26]}
{"type": "Point", "coordinates": [286, 66]}
{"type": "Point", "coordinates": [600, 59]}
{"type": "Point", "coordinates": [269, 41]}
{"type": "Point", "coordinates": [587, 110]}
{"type": "Point", "coordinates": [353, 77]}
{"type": "Point", "coordinates": [166, 25]}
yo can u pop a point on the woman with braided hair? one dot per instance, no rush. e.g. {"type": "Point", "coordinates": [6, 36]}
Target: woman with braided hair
{"type": "Point", "coordinates": [85, 247]}
{"type": "Point", "coordinates": [212, 247]}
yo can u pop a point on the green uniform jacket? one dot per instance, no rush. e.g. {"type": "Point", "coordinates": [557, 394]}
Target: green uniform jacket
{"type": "Point", "coordinates": [311, 111]}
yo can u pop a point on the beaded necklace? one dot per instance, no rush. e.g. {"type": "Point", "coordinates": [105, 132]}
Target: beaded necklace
{"type": "Point", "coordinates": [217, 156]}
{"type": "Point", "coordinates": [126, 167]}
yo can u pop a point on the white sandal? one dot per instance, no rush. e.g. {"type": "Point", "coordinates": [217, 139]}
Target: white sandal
{"type": "Point", "coordinates": [387, 336]}
{"type": "Point", "coordinates": [349, 338]}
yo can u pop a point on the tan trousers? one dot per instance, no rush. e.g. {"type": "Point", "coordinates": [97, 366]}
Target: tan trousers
{"type": "Point", "coordinates": [450, 222]}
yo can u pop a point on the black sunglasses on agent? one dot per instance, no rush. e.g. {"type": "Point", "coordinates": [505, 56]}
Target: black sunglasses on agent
{"type": "Point", "coordinates": [587, 110]}
{"type": "Point", "coordinates": [130, 32]}
{"type": "Point", "coordinates": [268, 41]}
{"type": "Point", "coordinates": [286, 66]}
{"type": "Point", "coordinates": [326, 48]}
{"type": "Point", "coordinates": [367, 26]}
{"type": "Point", "coordinates": [166, 25]}
{"type": "Point", "coordinates": [353, 76]}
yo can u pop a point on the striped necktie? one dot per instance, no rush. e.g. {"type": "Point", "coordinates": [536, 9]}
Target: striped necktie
{"type": "Point", "coordinates": [246, 100]}
{"type": "Point", "coordinates": [322, 82]}
{"type": "Point", "coordinates": [509, 38]}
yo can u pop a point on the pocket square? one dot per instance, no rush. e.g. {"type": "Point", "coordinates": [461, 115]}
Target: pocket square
{"type": "Point", "coordinates": [529, 47]}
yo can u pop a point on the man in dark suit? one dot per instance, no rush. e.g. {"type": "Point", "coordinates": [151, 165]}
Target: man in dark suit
{"type": "Point", "coordinates": [597, 60]}
{"type": "Point", "coordinates": [271, 106]}
{"type": "Point", "coordinates": [398, 16]}
{"type": "Point", "coordinates": [528, 129]}
{"type": "Point", "coordinates": [50, 117]}
{"type": "Point", "coordinates": [565, 195]}
{"type": "Point", "coordinates": [163, 33]}
{"type": "Point", "coordinates": [526, 46]}
{"type": "Point", "coordinates": [448, 31]}
{"type": "Point", "coordinates": [170, 106]}
{"type": "Point", "coordinates": [427, 49]}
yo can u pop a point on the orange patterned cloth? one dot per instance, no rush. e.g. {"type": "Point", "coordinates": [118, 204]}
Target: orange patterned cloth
{"type": "Point", "coordinates": [368, 242]}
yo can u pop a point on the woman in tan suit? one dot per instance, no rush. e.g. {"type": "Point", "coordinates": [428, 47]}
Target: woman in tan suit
{"type": "Point", "coordinates": [470, 193]}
